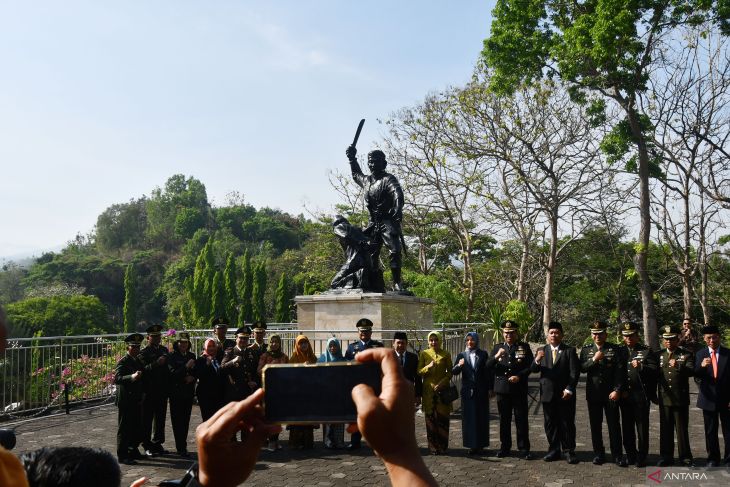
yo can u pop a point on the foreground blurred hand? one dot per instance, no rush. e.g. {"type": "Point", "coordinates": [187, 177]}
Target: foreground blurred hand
{"type": "Point", "coordinates": [222, 462]}
{"type": "Point", "coordinates": [387, 421]}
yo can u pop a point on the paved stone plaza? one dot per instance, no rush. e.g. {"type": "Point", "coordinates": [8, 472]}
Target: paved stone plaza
{"type": "Point", "coordinates": [96, 427]}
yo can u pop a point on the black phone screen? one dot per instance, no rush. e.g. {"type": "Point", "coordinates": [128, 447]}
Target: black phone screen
{"type": "Point", "coordinates": [317, 393]}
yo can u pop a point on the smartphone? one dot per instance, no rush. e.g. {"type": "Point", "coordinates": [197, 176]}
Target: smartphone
{"type": "Point", "coordinates": [316, 393]}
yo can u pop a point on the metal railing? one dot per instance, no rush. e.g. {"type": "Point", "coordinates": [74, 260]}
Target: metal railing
{"type": "Point", "coordinates": [43, 374]}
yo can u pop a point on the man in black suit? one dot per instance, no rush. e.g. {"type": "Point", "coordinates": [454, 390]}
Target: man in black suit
{"type": "Point", "coordinates": [605, 367]}
{"type": "Point", "coordinates": [511, 363]}
{"type": "Point", "coordinates": [713, 376]}
{"type": "Point", "coordinates": [156, 382]}
{"type": "Point", "coordinates": [409, 362]}
{"type": "Point", "coordinates": [128, 378]}
{"type": "Point", "coordinates": [559, 373]}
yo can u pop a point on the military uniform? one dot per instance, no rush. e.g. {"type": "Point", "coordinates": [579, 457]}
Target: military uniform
{"type": "Point", "coordinates": [129, 401]}
{"type": "Point", "coordinates": [675, 369]}
{"type": "Point", "coordinates": [636, 397]}
{"type": "Point", "coordinates": [604, 376]}
{"type": "Point", "coordinates": [226, 343]}
{"type": "Point", "coordinates": [363, 325]}
{"type": "Point", "coordinates": [514, 361]}
{"type": "Point", "coordinates": [240, 365]}
{"type": "Point", "coordinates": [182, 390]}
{"type": "Point", "coordinates": [156, 388]}
{"type": "Point", "coordinates": [259, 348]}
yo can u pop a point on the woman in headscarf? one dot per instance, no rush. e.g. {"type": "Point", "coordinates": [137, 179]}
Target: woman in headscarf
{"type": "Point", "coordinates": [333, 434]}
{"type": "Point", "coordinates": [302, 437]}
{"type": "Point", "coordinates": [475, 385]}
{"type": "Point", "coordinates": [434, 365]}
{"type": "Point", "coordinates": [273, 355]}
{"type": "Point", "coordinates": [211, 386]}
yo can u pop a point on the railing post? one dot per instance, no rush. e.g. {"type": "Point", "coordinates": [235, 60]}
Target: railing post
{"type": "Point", "coordinates": [66, 386]}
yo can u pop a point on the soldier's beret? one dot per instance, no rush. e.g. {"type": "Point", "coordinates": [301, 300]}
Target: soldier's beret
{"type": "Point", "coordinates": [509, 325]}
{"type": "Point", "coordinates": [154, 330]}
{"type": "Point", "coordinates": [400, 335]}
{"type": "Point", "coordinates": [134, 340]}
{"type": "Point", "coordinates": [220, 322]}
{"type": "Point", "coordinates": [710, 330]}
{"type": "Point", "coordinates": [244, 331]}
{"type": "Point", "coordinates": [598, 327]}
{"type": "Point", "coordinates": [629, 328]}
{"type": "Point", "coordinates": [183, 336]}
{"type": "Point", "coordinates": [364, 324]}
{"type": "Point", "coordinates": [669, 331]}
{"type": "Point", "coordinates": [259, 326]}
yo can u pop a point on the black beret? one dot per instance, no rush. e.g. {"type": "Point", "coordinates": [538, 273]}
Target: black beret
{"type": "Point", "coordinates": [400, 335]}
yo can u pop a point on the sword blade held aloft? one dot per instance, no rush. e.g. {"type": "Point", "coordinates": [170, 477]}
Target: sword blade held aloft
{"type": "Point", "coordinates": [357, 134]}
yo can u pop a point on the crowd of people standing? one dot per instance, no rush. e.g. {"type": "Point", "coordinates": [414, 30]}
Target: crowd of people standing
{"type": "Point", "coordinates": [621, 383]}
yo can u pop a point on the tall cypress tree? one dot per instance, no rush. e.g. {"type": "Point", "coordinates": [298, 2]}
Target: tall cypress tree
{"type": "Point", "coordinates": [202, 284]}
{"type": "Point", "coordinates": [246, 311]}
{"type": "Point", "coordinates": [130, 299]}
{"type": "Point", "coordinates": [281, 314]}
{"type": "Point", "coordinates": [259, 291]}
{"type": "Point", "coordinates": [218, 295]}
{"type": "Point", "coordinates": [231, 294]}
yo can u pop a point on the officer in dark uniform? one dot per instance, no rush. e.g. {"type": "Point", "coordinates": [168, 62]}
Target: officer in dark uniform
{"type": "Point", "coordinates": [220, 328]}
{"type": "Point", "coordinates": [365, 330]}
{"type": "Point", "coordinates": [128, 378]}
{"type": "Point", "coordinates": [676, 366]}
{"type": "Point", "coordinates": [240, 364]}
{"type": "Point", "coordinates": [154, 357]}
{"type": "Point", "coordinates": [511, 362]}
{"type": "Point", "coordinates": [182, 390]}
{"type": "Point", "coordinates": [606, 374]}
{"type": "Point", "coordinates": [258, 346]}
{"type": "Point", "coordinates": [640, 390]}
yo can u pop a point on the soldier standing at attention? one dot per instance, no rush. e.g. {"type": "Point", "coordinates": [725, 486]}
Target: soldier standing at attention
{"type": "Point", "coordinates": [238, 364]}
{"type": "Point", "coordinates": [511, 362]}
{"type": "Point", "coordinates": [365, 330]}
{"type": "Point", "coordinates": [182, 390]}
{"type": "Point", "coordinates": [676, 366]}
{"type": "Point", "coordinates": [606, 372]}
{"type": "Point", "coordinates": [258, 346]}
{"type": "Point", "coordinates": [128, 378]}
{"type": "Point", "coordinates": [639, 391]}
{"type": "Point", "coordinates": [220, 328]}
{"type": "Point", "coordinates": [154, 357]}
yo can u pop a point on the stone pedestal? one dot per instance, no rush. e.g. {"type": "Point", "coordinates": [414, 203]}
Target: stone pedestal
{"type": "Point", "coordinates": [325, 312]}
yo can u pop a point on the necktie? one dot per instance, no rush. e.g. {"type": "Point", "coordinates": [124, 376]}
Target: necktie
{"type": "Point", "coordinates": [403, 360]}
{"type": "Point", "coordinates": [555, 355]}
{"type": "Point", "coordinates": [713, 356]}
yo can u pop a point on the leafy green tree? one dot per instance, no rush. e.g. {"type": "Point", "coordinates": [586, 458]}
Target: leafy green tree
{"type": "Point", "coordinates": [283, 299]}
{"type": "Point", "coordinates": [608, 50]}
{"type": "Point", "coordinates": [231, 288]}
{"type": "Point", "coordinates": [177, 211]}
{"type": "Point", "coordinates": [202, 285]}
{"type": "Point", "coordinates": [246, 294]}
{"type": "Point", "coordinates": [259, 292]}
{"type": "Point", "coordinates": [122, 226]}
{"type": "Point", "coordinates": [218, 303]}
{"type": "Point", "coordinates": [130, 299]}
{"type": "Point", "coordinates": [61, 315]}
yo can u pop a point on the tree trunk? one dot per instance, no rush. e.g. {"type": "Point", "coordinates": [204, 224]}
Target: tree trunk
{"type": "Point", "coordinates": [642, 250]}
{"type": "Point", "coordinates": [521, 276]}
{"type": "Point", "coordinates": [547, 294]}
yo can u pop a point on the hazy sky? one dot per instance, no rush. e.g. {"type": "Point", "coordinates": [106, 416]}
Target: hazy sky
{"type": "Point", "coordinates": [100, 102]}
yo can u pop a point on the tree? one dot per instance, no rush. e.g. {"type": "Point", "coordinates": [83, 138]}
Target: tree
{"type": "Point", "coordinates": [259, 292]}
{"type": "Point", "coordinates": [122, 226]}
{"type": "Point", "coordinates": [61, 315]}
{"type": "Point", "coordinates": [607, 49]}
{"type": "Point", "coordinates": [218, 295]}
{"type": "Point", "coordinates": [130, 299]}
{"type": "Point", "coordinates": [231, 288]}
{"type": "Point", "coordinates": [202, 284]}
{"type": "Point", "coordinates": [246, 295]}
{"type": "Point", "coordinates": [283, 300]}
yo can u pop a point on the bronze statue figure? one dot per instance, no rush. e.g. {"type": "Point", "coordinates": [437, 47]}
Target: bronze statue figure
{"type": "Point", "coordinates": [384, 200]}
{"type": "Point", "coordinates": [359, 270]}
